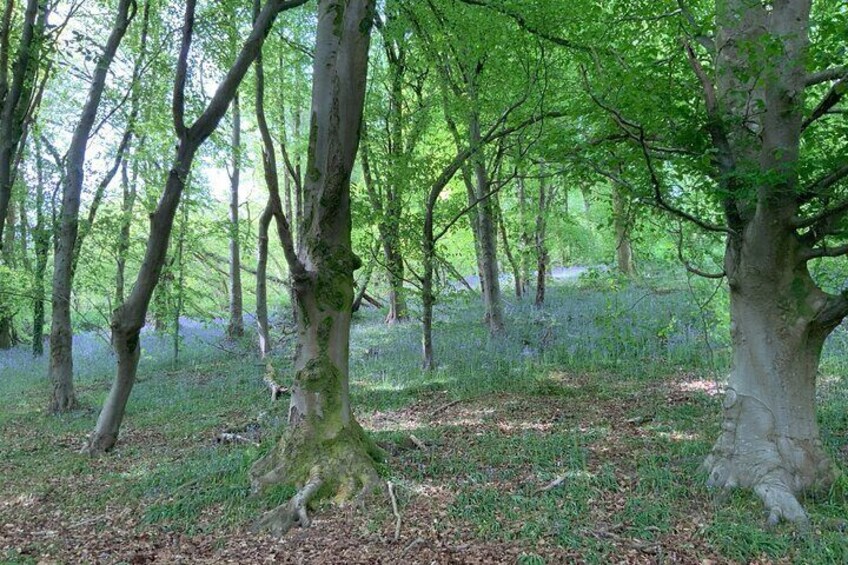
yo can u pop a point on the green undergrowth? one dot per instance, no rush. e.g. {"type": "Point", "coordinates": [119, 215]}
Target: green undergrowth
{"type": "Point", "coordinates": [610, 392]}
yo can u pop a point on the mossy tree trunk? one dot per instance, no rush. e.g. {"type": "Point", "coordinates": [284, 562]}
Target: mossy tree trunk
{"type": "Point", "coordinates": [324, 452]}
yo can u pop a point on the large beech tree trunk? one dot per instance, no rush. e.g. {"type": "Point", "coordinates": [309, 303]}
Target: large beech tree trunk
{"type": "Point", "coordinates": [779, 318]}
{"type": "Point", "coordinates": [128, 319]}
{"type": "Point", "coordinates": [236, 325]}
{"type": "Point", "coordinates": [61, 335]}
{"type": "Point", "coordinates": [324, 452]}
{"type": "Point", "coordinates": [770, 438]}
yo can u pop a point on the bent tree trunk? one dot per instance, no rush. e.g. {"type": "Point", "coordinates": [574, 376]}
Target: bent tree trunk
{"type": "Point", "coordinates": [128, 319]}
{"type": "Point", "coordinates": [324, 451]}
{"type": "Point", "coordinates": [770, 438]}
{"type": "Point", "coordinates": [262, 283]}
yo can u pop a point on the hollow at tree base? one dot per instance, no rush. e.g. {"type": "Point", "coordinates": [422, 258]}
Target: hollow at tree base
{"type": "Point", "coordinates": [339, 467]}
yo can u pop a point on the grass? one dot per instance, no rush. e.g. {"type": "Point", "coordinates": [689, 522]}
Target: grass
{"type": "Point", "coordinates": [609, 388]}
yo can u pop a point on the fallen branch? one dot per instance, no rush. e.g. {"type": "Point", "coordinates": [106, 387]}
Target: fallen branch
{"type": "Point", "coordinates": [394, 509]}
{"type": "Point", "coordinates": [418, 443]}
{"type": "Point", "coordinates": [444, 407]}
{"type": "Point", "coordinates": [552, 485]}
{"type": "Point", "coordinates": [227, 437]}
{"type": "Point", "coordinates": [268, 379]}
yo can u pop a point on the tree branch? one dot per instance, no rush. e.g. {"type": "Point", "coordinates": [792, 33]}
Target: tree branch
{"type": "Point", "coordinates": [831, 99]}
{"type": "Point", "coordinates": [827, 75]}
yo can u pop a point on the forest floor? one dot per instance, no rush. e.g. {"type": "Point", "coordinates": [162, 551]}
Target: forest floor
{"type": "Point", "coordinates": [576, 437]}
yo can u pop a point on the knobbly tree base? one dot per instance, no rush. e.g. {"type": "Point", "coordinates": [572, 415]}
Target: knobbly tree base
{"type": "Point", "coordinates": [751, 453]}
{"type": "Point", "coordinates": [340, 467]}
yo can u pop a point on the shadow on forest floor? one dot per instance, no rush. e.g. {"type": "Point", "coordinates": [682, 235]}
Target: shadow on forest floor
{"type": "Point", "coordinates": [575, 437]}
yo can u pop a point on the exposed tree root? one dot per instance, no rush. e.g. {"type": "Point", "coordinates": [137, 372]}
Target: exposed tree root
{"type": "Point", "coordinates": [750, 453]}
{"type": "Point", "coordinates": [281, 519]}
{"type": "Point", "coordinates": [340, 468]}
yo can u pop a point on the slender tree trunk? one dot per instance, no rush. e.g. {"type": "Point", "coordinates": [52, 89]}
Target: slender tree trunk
{"type": "Point", "coordinates": [623, 247]}
{"type": "Point", "coordinates": [128, 319]}
{"type": "Point", "coordinates": [541, 244]}
{"type": "Point", "coordinates": [129, 187]}
{"type": "Point", "coordinates": [524, 242]}
{"type": "Point", "coordinates": [488, 237]}
{"type": "Point", "coordinates": [15, 99]}
{"type": "Point", "coordinates": [428, 296]}
{"type": "Point", "coordinates": [41, 236]}
{"type": "Point", "coordinates": [236, 325]}
{"type": "Point", "coordinates": [324, 451]}
{"type": "Point", "coordinates": [390, 237]}
{"type": "Point", "coordinates": [516, 268]}
{"type": "Point", "coordinates": [262, 282]}
{"type": "Point", "coordinates": [61, 335]}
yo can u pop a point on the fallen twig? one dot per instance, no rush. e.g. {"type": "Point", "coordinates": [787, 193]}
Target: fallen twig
{"type": "Point", "coordinates": [444, 407]}
{"type": "Point", "coordinates": [414, 543]}
{"type": "Point", "coordinates": [552, 485]}
{"type": "Point", "coordinates": [394, 509]}
{"type": "Point", "coordinates": [227, 437]}
{"type": "Point", "coordinates": [418, 443]}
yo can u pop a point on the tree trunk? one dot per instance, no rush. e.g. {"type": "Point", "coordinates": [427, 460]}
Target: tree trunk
{"type": "Point", "coordinates": [524, 241]}
{"type": "Point", "coordinates": [129, 187]}
{"type": "Point", "coordinates": [128, 319]}
{"type": "Point", "coordinates": [428, 296]}
{"type": "Point", "coordinates": [623, 247]}
{"type": "Point", "coordinates": [395, 270]}
{"type": "Point", "coordinates": [541, 244]}
{"type": "Point", "coordinates": [324, 451]}
{"type": "Point", "coordinates": [61, 335]}
{"type": "Point", "coordinates": [236, 325]}
{"type": "Point", "coordinates": [516, 268]}
{"type": "Point", "coordinates": [770, 438]}
{"type": "Point", "coordinates": [780, 319]}
{"type": "Point", "coordinates": [262, 283]}
{"type": "Point", "coordinates": [41, 238]}
{"type": "Point", "coordinates": [488, 236]}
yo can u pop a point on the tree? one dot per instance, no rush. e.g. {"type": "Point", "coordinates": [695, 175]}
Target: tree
{"type": "Point", "coordinates": [781, 211]}
{"type": "Point", "coordinates": [771, 161]}
{"type": "Point", "coordinates": [67, 249]}
{"type": "Point", "coordinates": [324, 451]}
{"type": "Point", "coordinates": [236, 325]}
{"type": "Point", "coordinates": [129, 317]}
{"type": "Point", "coordinates": [19, 99]}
